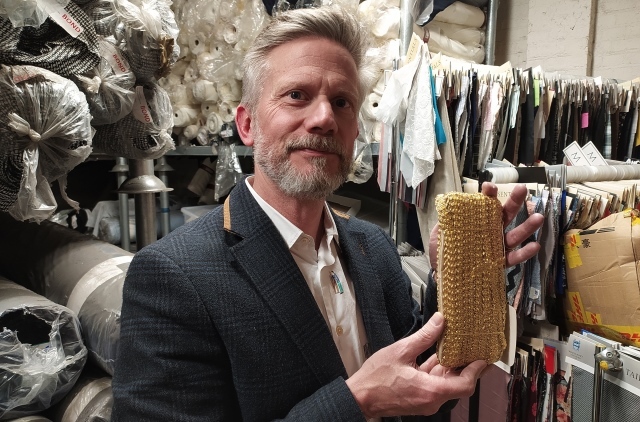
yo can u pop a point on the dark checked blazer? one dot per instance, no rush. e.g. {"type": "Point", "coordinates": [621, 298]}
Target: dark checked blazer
{"type": "Point", "coordinates": [218, 323]}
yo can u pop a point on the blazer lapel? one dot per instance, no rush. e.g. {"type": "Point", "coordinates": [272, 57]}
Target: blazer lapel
{"type": "Point", "coordinates": [367, 284]}
{"type": "Point", "coordinates": [265, 257]}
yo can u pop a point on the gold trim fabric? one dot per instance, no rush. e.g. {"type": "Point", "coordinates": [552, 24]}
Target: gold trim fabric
{"type": "Point", "coordinates": [471, 280]}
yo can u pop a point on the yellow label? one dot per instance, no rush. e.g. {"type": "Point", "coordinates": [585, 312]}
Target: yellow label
{"type": "Point", "coordinates": [571, 252]}
{"type": "Point", "coordinates": [414, 47]}
{"type": "Point", "coordinates": [577, 309]}
{"type": "Point", "coordinates": [594, 319]}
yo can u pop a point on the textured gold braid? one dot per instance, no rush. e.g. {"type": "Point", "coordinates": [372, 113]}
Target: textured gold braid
{"type": "Point", "coordinates": [471, 283]}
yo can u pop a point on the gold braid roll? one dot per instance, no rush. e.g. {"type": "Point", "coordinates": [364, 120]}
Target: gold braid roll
{"type": "Point", "coordinates": [471, 280]}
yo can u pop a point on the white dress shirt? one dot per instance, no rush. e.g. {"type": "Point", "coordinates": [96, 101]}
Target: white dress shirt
{"type": "Point", "coordinates": [340, 310]}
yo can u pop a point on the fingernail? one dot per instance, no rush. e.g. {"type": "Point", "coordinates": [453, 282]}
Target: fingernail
{"type": "Point", "coordinates": [437, 319]}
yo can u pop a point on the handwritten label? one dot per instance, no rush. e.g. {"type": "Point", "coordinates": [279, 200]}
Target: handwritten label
{"type": "Point", "coordinates": [593, 155]}
{"type": "Point", "coordinates": [141, 108]}
{"type": "Point", "coordinates": [574, 154]}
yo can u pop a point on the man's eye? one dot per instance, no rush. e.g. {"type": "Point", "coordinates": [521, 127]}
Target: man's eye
{"type": "Point", "coordinates": [295, 95]}
{"type": "Point", "coordinates": [341, 102]}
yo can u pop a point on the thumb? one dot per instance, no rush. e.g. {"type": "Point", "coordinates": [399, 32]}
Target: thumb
{"type": "Point", "coordinates": [424, 338]}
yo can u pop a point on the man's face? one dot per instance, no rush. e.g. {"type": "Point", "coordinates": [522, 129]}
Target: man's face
{"type": "Point", "coordinates": [305, 122]}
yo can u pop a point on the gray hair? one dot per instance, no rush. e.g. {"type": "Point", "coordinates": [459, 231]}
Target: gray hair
{"type": "Point", "coordinates": [330, 22]}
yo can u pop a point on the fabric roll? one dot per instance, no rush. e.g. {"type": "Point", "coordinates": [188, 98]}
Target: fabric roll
{"type": "Point", "coordinates": [35, 150]}
{"type": "Point", "coordinates": [108, 86]}
{"type": "Point", "coordinates": [203, 175]}
{"type": "Point", "coordinates": [91, 400]}
{"type": "Point", "coordinates": [370, 105]}
{"type": "Point", "coordinates": [214, 123]}
{"type": "Point", "coordinates": [74, 270]}
{"type": "Point", "coordinates": [148, 37]}
{"type": "Point", "coordinates": [145, 132]}
{"type": "Point", "coordinates": [440, 43]}
{"type": "Point", "coordinates": [184, 116]}
{"type": "Point", "coordinates": [204, 90]}
{"type": "Point", "coordinates": [41, 350]}
{"type": "Point", "coordinates": [462, 14]}
{"type": "Point", "coordinates": [460, 33]}
{"type": "Point", "coordinates": [35, 418]}
{"type": "Point", "coordinates": [50, 46]}
{"type": "Point", "coordinates": [109, 227]}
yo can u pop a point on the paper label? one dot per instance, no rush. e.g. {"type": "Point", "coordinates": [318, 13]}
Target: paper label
{"type": "Point", "coordinates": [414, 48]}
{"type": "Point", "coordinates": [593, 155]}
{"type": "Point", "coordinates": [585, 120]}
{"type": "Point", "coordinates": [140, 107]}
{"type": "Point", "coordinates": [60, 16]}
{"type": "Point", "coordinates": [574, 154]}
{"type": "Point", "coordinates": [439, 83]}
{"type": "Point", "coordinates": [115, 60]}
{"type": "Point", "coordinates": [22, 73]}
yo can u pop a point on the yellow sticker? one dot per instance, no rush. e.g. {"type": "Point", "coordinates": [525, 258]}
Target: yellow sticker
{"type": "Point", "coordinates": [594, 319]}
{"type": "Point", "coordinates": [571, 253]}
{"type": "Point", "coordinates": [577, 309]}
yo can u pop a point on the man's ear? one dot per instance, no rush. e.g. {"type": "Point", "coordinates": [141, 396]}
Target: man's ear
{"type": "Point", "coordinates": [243, 124]}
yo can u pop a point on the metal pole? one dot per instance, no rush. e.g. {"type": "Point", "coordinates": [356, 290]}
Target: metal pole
{"type": "Point", "coordinates": [145, 205]}
{"type": "Point", "coordinates": [598, 382]}
{"type": "Point", "coordinates": [165, 223]}
{"type": "Point", "coordinates": [490, 43]}
{"type": "Point", "coordinates": [123, 201]}
{"type": "Point", "coordinates": [406, 25]}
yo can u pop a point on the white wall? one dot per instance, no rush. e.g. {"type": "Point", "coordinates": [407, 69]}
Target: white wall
{"type": "Point", "coordinates": [576, 37]}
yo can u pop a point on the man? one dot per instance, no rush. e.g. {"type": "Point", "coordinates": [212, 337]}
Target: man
{"type": "Point", "coordinates": [273, 306]}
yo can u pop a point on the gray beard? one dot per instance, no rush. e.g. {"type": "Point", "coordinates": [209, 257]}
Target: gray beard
{"type": "Point", "coordinates": [316, 184]}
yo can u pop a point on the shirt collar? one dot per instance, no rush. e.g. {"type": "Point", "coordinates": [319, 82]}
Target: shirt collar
{"type": "Point", "coordinates": [290, 233]}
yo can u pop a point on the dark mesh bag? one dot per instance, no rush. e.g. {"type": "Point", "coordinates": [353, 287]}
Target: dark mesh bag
{"type": "Point", "coordinates": [45, 131]}
{"type": "Point", "coordinates": [50, 46]}
{"type": "Point", "coordinates": [145, 132]}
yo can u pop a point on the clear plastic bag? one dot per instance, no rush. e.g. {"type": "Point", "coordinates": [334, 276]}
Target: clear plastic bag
{"type": "Point", "coordinates": [27, 12]}
{"type": "Point", "coordinates": [46, 130]}
{"type": "Point", "coordinates": [41, 351]}
{"type": "Point", "coordinates": [148, 36]}
{"type": "Point", "coordinates": [108, 87]}
{"type": "Point", "coordinates": [440, 43]}
{"type": "Point", "coordinates": [145, 133]}
{"type": "Point", "coordinates": [362, 167]}
{"type": "Point", "coordinates": [228, 171]}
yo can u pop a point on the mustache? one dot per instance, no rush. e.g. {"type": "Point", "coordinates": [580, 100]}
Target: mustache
{"type": "Point", "coordinates": [320, 143]}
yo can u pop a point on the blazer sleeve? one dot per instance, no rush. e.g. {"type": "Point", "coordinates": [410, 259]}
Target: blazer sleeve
{"type": "Point", "coordinates": [171, 363]}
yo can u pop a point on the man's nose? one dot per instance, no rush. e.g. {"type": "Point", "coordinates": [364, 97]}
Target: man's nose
{"type": "Point", "coordinates": [321, 118]}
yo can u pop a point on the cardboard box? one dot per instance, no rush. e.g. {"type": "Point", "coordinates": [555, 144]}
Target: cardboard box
{"type": "Point", "coordinates": [603, 294]}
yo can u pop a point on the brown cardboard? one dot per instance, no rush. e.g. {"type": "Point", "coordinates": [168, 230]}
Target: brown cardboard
{"type": "Point", "coordinates": [602, 265]}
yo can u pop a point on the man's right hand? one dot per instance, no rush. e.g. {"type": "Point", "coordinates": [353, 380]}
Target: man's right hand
{"type": "Point", "coordinates": [391, 384]}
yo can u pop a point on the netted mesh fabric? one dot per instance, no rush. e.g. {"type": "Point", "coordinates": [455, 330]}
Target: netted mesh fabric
{"type": "Point", "coordinates": [131, 137]}
{"type": "Point", "coordinates": [50, 46]}
{"type": "Point", "coordinates": [618, 404]}
{"type": "Point", "coordinates": [471, 284]}
{"type": "Point", "coordinates": [582, 396]}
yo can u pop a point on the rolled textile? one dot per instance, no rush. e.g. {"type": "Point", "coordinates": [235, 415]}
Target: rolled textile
{"type": "Point", "coordinates": [109, 227]}
{"type": "Point", "coordinates": [462, 14]}
{"type": "Point", "coordinates": [108, 86]}
{"type": "Point", "coordinates": [440, 43]}
{"type": "Point", "coordinates": [91, 400]}
{"type": "Point", "coordinates": [214, 123]}
{"type": "Point", "coordinates": [45, 127]}
{"type": "Point", "coordinates": [72, 269]}
{"type": "Point", "coordinates": [148, 36]}
{"type": "Point", "coordinates": [463, 34]}
{"type": "Point", "coordinates": [184, 116]}
{"type": "Point", "coordinates": [50, 46]}
{"type": "Point", "coordinates": [34, 418]}
{"type": "Point", "coordinates": [190, 132]}
{"type": "Point", "coordinates": [41, 351]}
{"type": "Point", "coordinates": [145, 132]}
{"type": "Point", "coordinates": [25, 12]}
{"type": "Point", "coordinates": [203, 176]}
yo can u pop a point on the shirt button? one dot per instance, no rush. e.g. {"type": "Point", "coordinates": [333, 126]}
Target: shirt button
{"type": "Point", "coordinates": [339, 330]}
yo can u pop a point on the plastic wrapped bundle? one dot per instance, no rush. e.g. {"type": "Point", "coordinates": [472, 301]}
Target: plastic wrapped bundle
{"type": "Point", "coordinates": [41, 351]}
{"type": "Point", "coordinates": [145, 132]}
{"type": "Point", "coordinates": [463, 34]}
{"type": "Point", "coordinates": [148, 32]}
{"type": "Point", "coordinates": [440, 43]}
{"type": "Point", "coordinates": [51, 46]}
{"type": "Point", "coordinates": [91, 400]}
{"type": "Point", "coordinates": [72, 269]}
{"type": "Point", "coordinates": [462, 14]}
{"type": "Point", "coordinates": [108, 87]}
{"type": "Point", "coordinates": [103, 16]}
{"type": "Point", "coordinates": [34, 418]}
{"type": "Point", "coordinates": [45, 127]}
{"type": "Point", "coordinates": [25, 12]}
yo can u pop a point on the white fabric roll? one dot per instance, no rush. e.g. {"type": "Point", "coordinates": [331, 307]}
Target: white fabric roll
{"type": "Point", "coordinates": [198, 44]}
{"type": "Point", "coordinates": [388, 24]}
{"type": "Point", "coordinates": [462, 14]}
{"type": "Point", "coordinates": [370, 104]}
{"type": "Point", "coordinates": [463, 34]}
{"type": "Point", "coordinates": [203, 175]}
{"type": "Point", "coordinates": [184, 116]}
{"type": "Point", "coordinates": [227, 111]}
{"type": "Point", "coordinates": [229, 90]}
{"type": "Point", "coordinates": [204, 90]}
{"type": "Point", "coordinates": [440, 43]}
{"type": "Point", "coordinates": [208, 107]}
{"type": "Point", "coordinates": [214, 123]}
{"type": "Point", "coordinates": [191, 131]}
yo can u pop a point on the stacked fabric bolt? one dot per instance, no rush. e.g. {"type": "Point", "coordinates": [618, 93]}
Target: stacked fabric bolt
{"type": "Point", "coordinates": [41, 351]}
{"type": "Point", "coordinates": [46, 131]}
{"type": "Point", "coordinates": [91, 400]}
{"type": "Point", "coordinates": [456, 32]}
